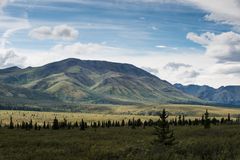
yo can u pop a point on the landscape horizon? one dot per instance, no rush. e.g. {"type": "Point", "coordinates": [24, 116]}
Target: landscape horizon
{"type": "Point", "coordinates": [119, 80]}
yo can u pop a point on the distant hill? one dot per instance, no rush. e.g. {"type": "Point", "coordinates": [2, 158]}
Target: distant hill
{"type": "Point", "coordinates": [89, 82]}
{"type": "Point", "coordinates": [229, 95]}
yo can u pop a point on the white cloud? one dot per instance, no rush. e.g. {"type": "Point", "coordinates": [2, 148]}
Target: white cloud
{"type": "Point", "coordinates": [175, 66]}
{"type": "Point", "coordinates": [227, 69]}
{"type": "Point", "coordinates": [186, 72]}
{"type": "Point", "coordinates": [224, 47]}
{"type": "Point", "coordinates": [81, 48]}
{"type": "Point", "coordinates": [7, 34]}
{"type": "Point", "coordinates": [222, 11]}
{"type": "Point", "coordinates": [203, 39]}
{"type": "Point", "coordinates": [9, 58]}
{"type": "Point", "coordinates": [61, 32]}
{"type": "Point", "coordinates": [161, 46]}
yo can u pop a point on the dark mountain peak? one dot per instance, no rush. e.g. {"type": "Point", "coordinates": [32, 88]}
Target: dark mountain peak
{"type": "Point", "coordinates": [225, 95]}
{"type": "Point", "coordinates": [96, 66]}
{"type": "Point", "coordinates": [10, 69]}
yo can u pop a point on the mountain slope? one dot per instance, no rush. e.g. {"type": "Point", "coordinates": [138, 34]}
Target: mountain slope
{"type": "Point", "coordinates": [229, 95]}
{"type": "Point", "coordinates": [23, 98]}
{"type": "Point", "coordinates": [80, 81]}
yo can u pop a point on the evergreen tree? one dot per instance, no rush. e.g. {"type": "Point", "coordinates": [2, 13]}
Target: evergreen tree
{"type": "Point", "coordinates": [179, 120]}
{"type": "Point", "coordinates": [222, 120]}
{"type": "Point", "coordinates": [76, 124]}
{"type": "Point", "coordinates": [202, 120]}
{"type": "Point", "coordinates": [30, 125]}
{"type": "Point", "coordinates": [99, 124]}
{"type": "Point", "coordinates": [23, 126]}
{"type": "Point", "coordinates": [229, 117]}
{"type": "Point", "coordinates": [183, 122]}
{"type": "Point", "coordinates": [133, 124]}
{"type": "Point", "coordinates": [35, 126]}
{"type": "Point", "coordinates": [189, 122]}
{"type": "Point", "coordinates": [103, 124]}
{"type": "Point", "coordinates": [206, 120]}
{"type": "Point", "coordinates": [165, 136]}
{"type": "Point", "coordinates": [82, 125]}
{"type": "Point", "coordinates": [55, 124]}
{"type": "Point", "coordinates": [229, 121]}
{"type": "Point", "coordinates": [44, 125]}
{"type": "Point", "coordinates": [123, 123]}
{"type": "Point", "coordinates": [48, 125]}
{"type": "Point", "coordinates": [238, 119]}
{"type": "Point", "coordinates": [214, 121]}
{"type": "Point", "coordinates": [11, 125]}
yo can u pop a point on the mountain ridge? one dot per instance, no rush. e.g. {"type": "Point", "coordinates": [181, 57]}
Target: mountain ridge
{"type": "Point", "coordinates": [224, 95]}
{"type": "Point", "coordinates": [95, 82]}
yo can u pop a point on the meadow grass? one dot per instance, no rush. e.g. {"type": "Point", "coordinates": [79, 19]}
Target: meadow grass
{"type": "Point", "coordinates": [193, 143]}
{"type": "Point", "coordinates": [220, 142]}
{"type": "Point", "coordinates": [119, 113]}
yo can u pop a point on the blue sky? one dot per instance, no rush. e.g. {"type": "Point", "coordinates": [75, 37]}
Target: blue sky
{"type": "Point", "coordinates": [174, 39]}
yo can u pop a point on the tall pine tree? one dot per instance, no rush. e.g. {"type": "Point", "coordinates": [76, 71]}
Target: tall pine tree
{"type": "Point", "coordinates": [11, 125]}
{"type": "Point", "coordinates": [55, 124]}
{"type": "Point", "coordinates": [165, 136]}
{"type": "Point", "coordinates": [206, 120]}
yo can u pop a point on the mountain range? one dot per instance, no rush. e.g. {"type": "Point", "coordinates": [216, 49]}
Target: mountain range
{"type": "Point", "coordinates": [228, 95]}
{"type": "Point", "coordinates": [74, 81]}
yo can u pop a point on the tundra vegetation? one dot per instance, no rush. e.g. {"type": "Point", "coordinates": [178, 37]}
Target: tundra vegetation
{"type": "Point", "coordinates": [132, 137]}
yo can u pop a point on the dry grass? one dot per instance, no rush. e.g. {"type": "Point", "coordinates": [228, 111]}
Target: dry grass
{"type": "Point", "coordinates": [119, 113]}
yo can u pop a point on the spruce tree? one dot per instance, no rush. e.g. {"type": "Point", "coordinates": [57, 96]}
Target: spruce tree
{"type": "Point", "coordinates": [11, 125]}
{"type": "Point", "coordinates": [44, 125]}
{"type": "Point", "coordinates": [30, 124]}
{"type": "Point", "coordinates": [55, 124]}
{"type": "Point", "coordinates": [165, 136]}
{"type": "Point", "coordinates": [123, 123]}
{"type": "Point", "coordinates": [133, 124]}
{"type": "Point", "coordinates": [35, 126]}
{"type": "Point", "coordinates": [82, 125]}
{"type": "Point", "coordinates": [206, 120]}
{"type": "Point", "coordinates": [229, 117]}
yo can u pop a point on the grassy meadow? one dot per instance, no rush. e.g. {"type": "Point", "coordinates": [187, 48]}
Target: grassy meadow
{"type": "Point", "coordinates": [193, 143]}
{"type": "Point", "coordinates": [109, 112]}
{"type": "Point", "coordinates": [220, 142]}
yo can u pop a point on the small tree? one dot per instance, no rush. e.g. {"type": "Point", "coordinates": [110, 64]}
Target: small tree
{"type": "Point", "coordinates": [11, 125]}
{"type": "Point", "coordinates": [55, 124]}
{"type": "Point", "coordinates": [44, 125]}
{"type": "Point", "coordinates": [30, 124]}
{"type": "Point", "coordinates": [82, 125]}
{"type": "Point", "coordinates": [165, 136]}
{"type": "Point", "coordinates": [133, 124]}
{"type": "Point", "coordinates": [123, 123]}
{"type": "Point", "coordinates": [36, 126]}
{"type": "Point", "coordinates": [206, 120]}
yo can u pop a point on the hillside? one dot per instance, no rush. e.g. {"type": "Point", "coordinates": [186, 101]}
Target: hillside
{"type": "Point", "coordinates": [93, 82]}
{"type": "Point", "coordinates": [229, 95]}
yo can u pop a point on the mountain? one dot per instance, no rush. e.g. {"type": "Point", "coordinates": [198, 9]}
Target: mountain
{"type": "Point", "coordinates": [25, 99]}
{"type": "Point", "coordinates": [90, 82]}
{"type": "Point", "coordinates": [229, 95]}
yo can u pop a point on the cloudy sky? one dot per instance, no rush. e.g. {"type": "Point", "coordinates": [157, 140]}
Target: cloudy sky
{"type": "Point", "coordinates": [181, 41]}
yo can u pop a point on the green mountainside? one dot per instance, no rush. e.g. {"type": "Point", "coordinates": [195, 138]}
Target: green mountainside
{"type": "Point", "coordinates": [89, 82]}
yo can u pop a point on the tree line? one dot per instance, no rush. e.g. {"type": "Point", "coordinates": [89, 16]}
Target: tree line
{"type": "Point", "coordinates": [180, 120]}
{"type": "Point", "coordinates": [164, 128]}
